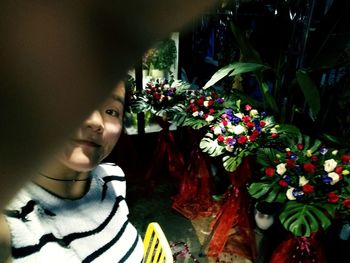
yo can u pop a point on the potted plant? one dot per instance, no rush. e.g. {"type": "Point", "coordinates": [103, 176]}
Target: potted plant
{"type": "Point", "coordinates": [163, 58]}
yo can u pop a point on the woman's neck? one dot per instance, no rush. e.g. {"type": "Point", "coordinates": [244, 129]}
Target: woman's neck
{"type": "Point", "coordinates": [63, 182]}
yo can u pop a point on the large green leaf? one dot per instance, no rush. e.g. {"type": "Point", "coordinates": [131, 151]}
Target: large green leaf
{"type": "Point", "coordinates": [233, 69]}
{"type": "Point", "coordinates": [258, 189]}
{"type": "Point", "coordinates": [303, 219]}
{"type": "Point", "coordinates": [310, 91]}
{"type": "Point", "coordinates": [232, 162]}
{"type": "Point", "coordinates": [211, 146]}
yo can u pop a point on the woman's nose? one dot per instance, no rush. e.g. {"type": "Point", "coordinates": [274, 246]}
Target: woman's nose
{"type": "Point", "coordinates": [95, 122]}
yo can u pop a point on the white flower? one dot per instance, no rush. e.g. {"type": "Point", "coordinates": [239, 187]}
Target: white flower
{"type": "Point", "coordinates": [335, 152]}
{"type": "Point", "coordinates": [335, 177]}
{"type": "Point", "coordinates": [209, 118]}
{"type": "Point", "coordinates": [281, 168]}
{"type": "Point", "coordinates": [195, 114]}
{"type": "Point", "coordinates": [303, 181]}
{"type": "Point", "coordinates": [217, 130]}
{"type": "Point", "coordinates": [238, 129]}
{"type": "Point", "coordinates": [239, 115]}
{"type": "Point", "coordinates": [206, 103]}
{"type": "Point", "coordinates": [330, 165]}
{"type": "Point", "coordinates": [253, 113]}
{"type": "Point", "coordinates": [289, 194]}
{"type": "Point", "coordinates": [229, 148]}
{"type": "Point", "coordinates": [192, 100]}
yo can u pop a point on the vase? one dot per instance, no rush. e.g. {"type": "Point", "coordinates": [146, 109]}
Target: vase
{"type": "Point", "coordinates": [263, 221]}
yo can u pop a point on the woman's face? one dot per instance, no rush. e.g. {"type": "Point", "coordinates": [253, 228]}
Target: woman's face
{"type": "Point", "coordinates": [97, 136]}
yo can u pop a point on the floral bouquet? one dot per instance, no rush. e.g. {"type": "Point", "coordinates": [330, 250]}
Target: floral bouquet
{"type": "Point", "coordinates": [160, 97]}
{"type": "Point", "coordinates": [311, 182]}
{"type": "Point", "coordinates": [201, 109]}
{"type": "Point", "coordinates": [238, 133]}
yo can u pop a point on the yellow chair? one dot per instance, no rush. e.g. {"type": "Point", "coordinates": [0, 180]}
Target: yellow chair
{"type": "Point", "coordinates": [156, 246]}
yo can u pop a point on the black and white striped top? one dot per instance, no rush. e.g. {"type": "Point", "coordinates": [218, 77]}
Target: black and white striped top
{"type": "Point", "coordinates": [95, 228]}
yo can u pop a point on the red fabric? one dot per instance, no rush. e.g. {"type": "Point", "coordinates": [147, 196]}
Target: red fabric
{"type": "Point", "coordinates": [299, 249]}
{"type": "Point", "coordinates": [167, 153]}
{"type": "Point", "coordinates": [194, 197]}
{"type": "Point", "coordinates": [232, 229]}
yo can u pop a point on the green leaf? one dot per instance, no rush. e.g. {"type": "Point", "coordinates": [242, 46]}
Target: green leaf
{"type": "Point", "coordinates": [231, 162]}
{"type": "Point", "coordinates": [304, 219]}
{"type": "Point", "coordinates": [310, 91]}
{"type": "Point", "coordinates": [233, 69]}
{"type": "Point", "coordinates": [257, 190]}
{"type": "Point", "coordinates": [210, 146]}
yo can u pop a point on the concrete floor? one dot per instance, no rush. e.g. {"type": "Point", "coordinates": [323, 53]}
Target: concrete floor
{"type": "Point", "coordinates": [183, 234]}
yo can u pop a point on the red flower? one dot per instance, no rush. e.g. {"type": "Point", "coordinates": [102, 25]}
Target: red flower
{"type": "Point", "coordinates": [210, 102]}
{"type": "Point", "coordinates": [250, 124]}
{"type": "Point", "coordinates": [262, 124]}
{"type": "Point", "coordinates": [224, 122]}
{"type": "Point", "coordinates": [338, 169]}
{"type": "Point", "coordinates": [290, 163]}
{"type": "Point", "coordinates": [275, 135]}
{"type": "Point", "coordinates": [300, 146]}
{"type": "Point", "coordinates": [346, 202]}
{"type": "Point", "coordinates": [332, 198]}
{"type": "Point", "coordinates": [314, 158]}
{"type": "Point", "coordinates": [309, 168]}
{"type": "Point", "coordinates": [308, 188]}
{"type": "Point", "coordinates": [246, 119]}
{"type": "Point", "coordinates": [220, 138]}
{"type": "Point", "coordinates": [194, 109]}
{"type": "Point", "coordinates": [283, 183]}
{"type": "Point", "coordinates": [211, 111]}
{"type": "Point", "coordinates": [242, 139]}
{"type": "Point", "coordinates": [345, 159]}
{"type": "Point", "coordinates": [269, 171]}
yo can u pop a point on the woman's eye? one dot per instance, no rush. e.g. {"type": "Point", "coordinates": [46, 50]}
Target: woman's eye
{"type": "Point", "coordinates": [114, 113]}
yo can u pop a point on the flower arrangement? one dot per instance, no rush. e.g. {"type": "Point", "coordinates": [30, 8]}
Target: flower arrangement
{"type": "Point", "coordinates": [201, 108]}
{"type": "Point", "coordinates": [238, 133]}
{"type": "Point", "coordinates": [310, 181]}
{"type": "Point", "coordinates": [160, 97]}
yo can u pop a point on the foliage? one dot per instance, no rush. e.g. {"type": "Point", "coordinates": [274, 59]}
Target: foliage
{"type": "Point", "coordinates": [310, 180]}
{"type": "Point", "coordinates": [239, 132]}
{"type": "Point", "coordinates": [162, 56]}
{"type": "Point", "coordinates": [160, 97]}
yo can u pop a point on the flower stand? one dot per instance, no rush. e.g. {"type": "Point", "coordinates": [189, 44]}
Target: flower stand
{"type": "Point", "coordinates": [232, 229]}
{"type": "Point", "coordinates": [300, 250]}
{"type": "Point", "coordinates": [194, 198]}
{"type": "Point", "coordinates": [167, 155]}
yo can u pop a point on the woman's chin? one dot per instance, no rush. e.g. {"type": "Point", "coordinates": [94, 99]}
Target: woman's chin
{"type": "Point", "coordinates": [81, 165]}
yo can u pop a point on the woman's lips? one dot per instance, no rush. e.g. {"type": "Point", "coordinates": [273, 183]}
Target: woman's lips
{"type": "Point", "coordinates": [88, 143]}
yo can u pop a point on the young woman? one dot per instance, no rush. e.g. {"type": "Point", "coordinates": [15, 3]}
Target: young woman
{"type": "Point", "coordinates": [75, 209]}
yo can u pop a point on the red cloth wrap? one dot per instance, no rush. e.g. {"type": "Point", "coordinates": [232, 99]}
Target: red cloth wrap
{"type": "Point", "coordinates": [166, 152]}
{"type": "Point", "coordinates": [232, 228]}
{"type": "Point", "coordinates": [299, 249]}
{"type": "Point", "coordinates": [193, 199]}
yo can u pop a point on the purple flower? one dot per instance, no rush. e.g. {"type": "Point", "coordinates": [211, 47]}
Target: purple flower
{"type": "Point", "coordinates": [231, 141]}
{"type": "Point", "coordinates": [326, 179]}
{"type": "Point", "coordinates": [235, 119]}
{"type": "Point", "coordinates": [323, 150]}
{"type": "Point", "coordinates": [220, 101]}
{"type": "Point", "coordinates": [298, 194]}
{"type": "Point", "coordinates": [293, 157]}
{"type": "Point", "coordinates": [287, 178]}
{"type": "Point", "coordinates": [223, 130]}
{"type": "Point", "coordinates": [263, 114]}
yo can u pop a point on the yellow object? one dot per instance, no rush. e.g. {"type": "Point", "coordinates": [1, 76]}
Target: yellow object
{"type": "Point", "coordinates": [156, 246]}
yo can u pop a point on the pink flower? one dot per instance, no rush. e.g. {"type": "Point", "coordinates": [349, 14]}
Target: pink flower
{"type": "Point", "coordinates": [248, 107]}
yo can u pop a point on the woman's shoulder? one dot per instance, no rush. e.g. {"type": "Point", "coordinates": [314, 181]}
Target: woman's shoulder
{"type": "Point", "coordinates": [109, 170]}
